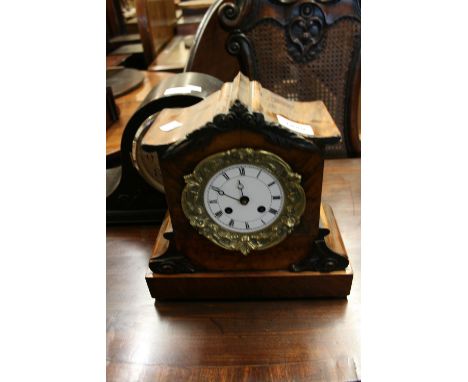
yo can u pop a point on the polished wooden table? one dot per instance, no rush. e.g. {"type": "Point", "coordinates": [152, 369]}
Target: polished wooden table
{"type": "Point", "coordinates": [299, 340]}
{"type": "Point", "coordinates": [173, 57]}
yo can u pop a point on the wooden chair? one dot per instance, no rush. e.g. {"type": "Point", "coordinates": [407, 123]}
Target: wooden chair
{"type": "Point", "coordinates": [301, 49]}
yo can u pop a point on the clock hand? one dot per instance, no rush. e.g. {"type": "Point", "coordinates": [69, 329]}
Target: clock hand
{"type": "Point", "coordinates": [222, 193]}
{"type": "Point", "coordinates": [244, 200]}
{"type": "Point", "coordinates": [240, 186]}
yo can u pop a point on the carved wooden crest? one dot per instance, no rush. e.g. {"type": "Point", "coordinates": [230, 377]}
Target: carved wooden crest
{"type": "Point", "coordinates": [305, 33]}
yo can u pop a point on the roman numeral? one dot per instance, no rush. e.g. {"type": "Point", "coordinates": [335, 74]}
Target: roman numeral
{"type": "Point", "coordinates": [231, 223]}
{"type": "Point", "coordinates": [271, 184]}
{"type": "Point", "coordinates": [276, 197]}
{"type": "Point", "coordinates": [242, 171]}
{"type": "Point", "coordinates": [273, 211]}
{"type": "Point", "coordinates": [247, 225]}
{"type": "Point", "coordinates": [259, 173]}
{"type": "Point", "coordinates": [262, 221]}
{"type": "Point", "coordinates": [219, 213]}
{"type": "Point", "coordinates": [213, 201]}
{"type": "Point", "coordinates": [226, 175]}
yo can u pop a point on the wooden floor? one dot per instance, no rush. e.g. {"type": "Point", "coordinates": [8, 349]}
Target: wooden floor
{"type": "Point", "coordinates": [315, 340]}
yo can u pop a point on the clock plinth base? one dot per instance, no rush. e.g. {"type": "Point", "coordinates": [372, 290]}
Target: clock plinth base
{"type": "Point", "coordinates": [280, 284]}
{"type": "Point", "coordinates": [249, 285]}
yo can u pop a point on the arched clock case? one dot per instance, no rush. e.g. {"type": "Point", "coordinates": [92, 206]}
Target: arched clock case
{"type": "Point", "coordinates": [245, 217]}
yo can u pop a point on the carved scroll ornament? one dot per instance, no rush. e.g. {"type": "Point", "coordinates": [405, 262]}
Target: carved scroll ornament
{"type": "Point", "coordinates": [305, 33]}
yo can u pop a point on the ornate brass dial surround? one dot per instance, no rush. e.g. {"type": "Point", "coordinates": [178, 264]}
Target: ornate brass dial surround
{"type": "Point", "coordinates": [194, 208]}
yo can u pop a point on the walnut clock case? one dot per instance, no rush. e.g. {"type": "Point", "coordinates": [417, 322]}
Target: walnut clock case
{"type": "Point", "coordinates": [243, 173]}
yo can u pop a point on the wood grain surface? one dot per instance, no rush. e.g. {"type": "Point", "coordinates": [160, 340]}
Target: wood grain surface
{"type": "Point", "coordinates": [115, 60]}
{"type": "Point", "coordinates": [172, 58]}
{"type": "Point", "coordinates": [156, 24]}
{"type": "Point", "coordinates": [204, 253]}
{"type": "Point", "coordinates": [257, 99]}
{"type": "Point", "coordinates": [195, 4]}
{"type": "Point", "coordinates": [248, 285]}
{"type": "Point", "coordinates": [128, 104]}
{"type": "Point", "coordinates": [299, 340]}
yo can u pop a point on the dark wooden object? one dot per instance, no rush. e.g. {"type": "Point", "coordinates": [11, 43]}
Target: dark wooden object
{"type": "Point", "coordinates": [123, 80]}
{"type": "Point", "coordinates": [156, 24]}
{"type": "Point", "coordinates": [134, 200]}
{"type": "Point", "coordinates": [128, 49]}
{"type": "Point", "coordinates": [112, 111]}
{"type": "Point", "coordinates": [115, 23]}
{"type": "Point", "coordinates": [281, 340]}
{"type": "Point", "coordinates": [125, 39]}
{"type": "Point", "coordinates": [353, 131]}
{"type": "Point", "coordinates": [242, 124]}
{"type": "Point", "coordinates": [127, 105]}
{"type": "Point", "coordinates": [301, 49]}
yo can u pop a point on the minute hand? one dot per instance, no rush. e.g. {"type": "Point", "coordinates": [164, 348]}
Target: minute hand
{"type": "Point", "coordinates": [222, 193]}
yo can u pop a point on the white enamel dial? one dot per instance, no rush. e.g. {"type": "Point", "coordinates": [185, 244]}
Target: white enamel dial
{"type": "Point", "coordinates": [244, 198]}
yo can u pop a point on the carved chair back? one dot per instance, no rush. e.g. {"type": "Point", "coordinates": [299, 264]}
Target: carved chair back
{"type": "Point", "coordinates": [301, 49]}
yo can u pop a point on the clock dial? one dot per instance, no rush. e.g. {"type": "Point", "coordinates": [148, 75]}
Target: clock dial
{"type": "Point", "coordinates": [244, 198]}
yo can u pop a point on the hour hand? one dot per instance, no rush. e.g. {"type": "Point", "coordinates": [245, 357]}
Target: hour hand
{"type": "Point", "coordinates": [240, 186]}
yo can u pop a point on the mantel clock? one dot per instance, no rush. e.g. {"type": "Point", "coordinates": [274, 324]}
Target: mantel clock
{"type": "Point", "coordinates": [243, 171]}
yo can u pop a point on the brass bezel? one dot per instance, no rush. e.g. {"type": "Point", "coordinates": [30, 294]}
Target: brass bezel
{"type": "Point", "coordinates": [194, 207]}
